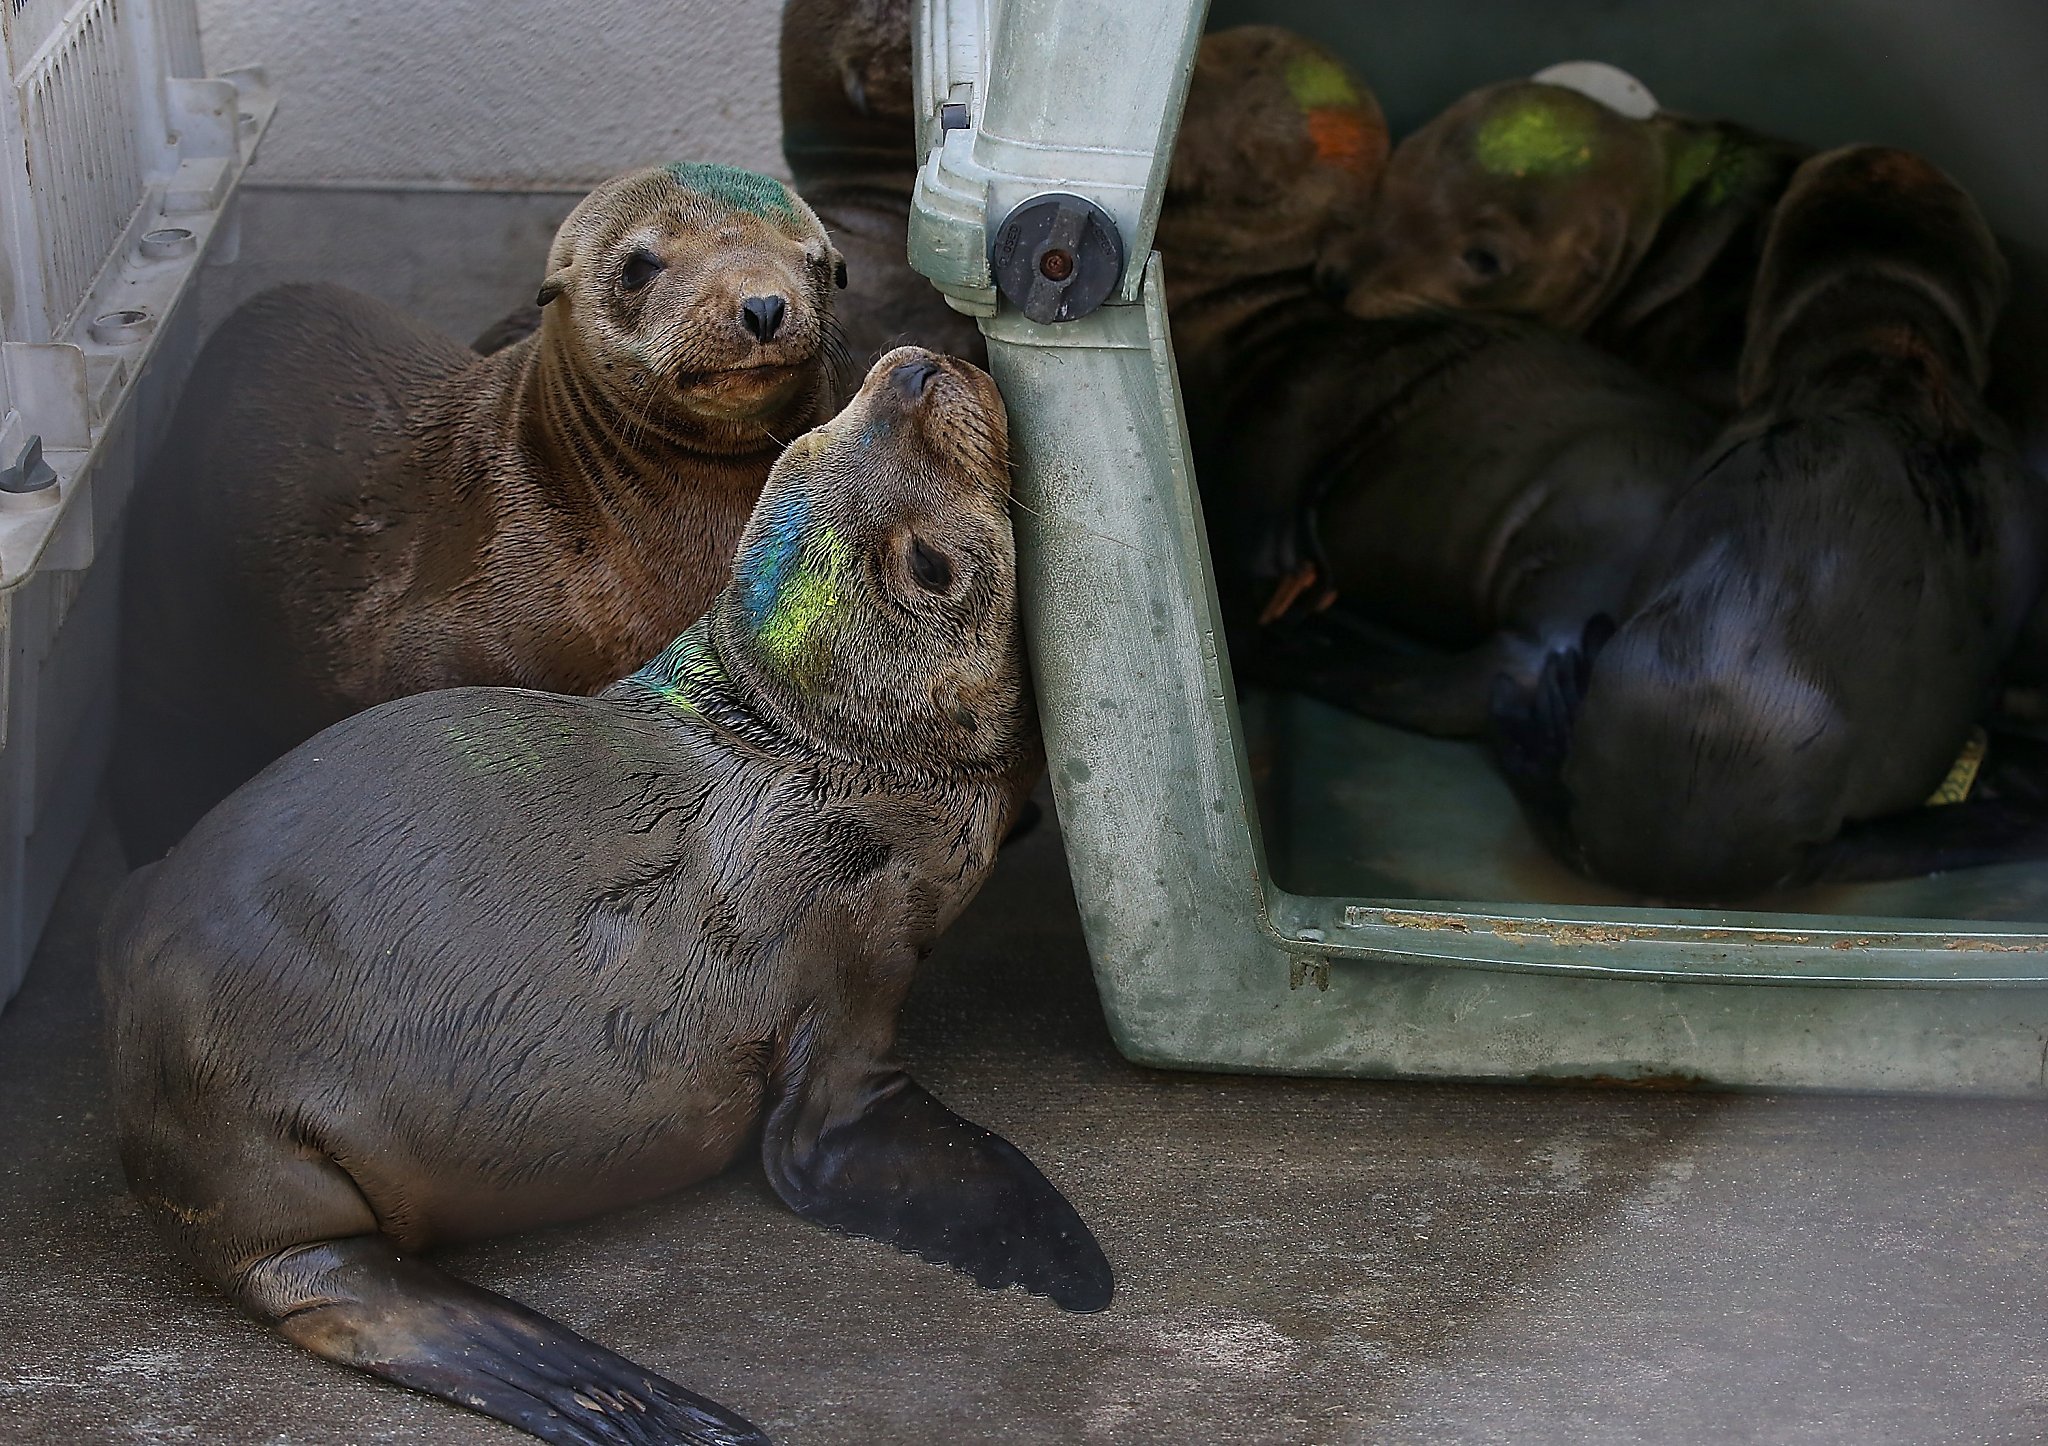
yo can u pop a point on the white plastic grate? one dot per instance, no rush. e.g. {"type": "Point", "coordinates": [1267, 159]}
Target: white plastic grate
{"type": "Point", "coordinates": [30, 24]}
{"type": "Point", "coordinates": [80, 110]}
{"type": "Point", "coordinates": [178, 22]}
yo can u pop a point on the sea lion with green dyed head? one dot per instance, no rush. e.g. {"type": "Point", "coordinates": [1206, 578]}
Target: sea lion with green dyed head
{"type": "Point", "coordinates": [1478, 485]}
{"type": "Point", "coordinates": [352, 508]}
{"type": "Point", "coordinates": [849, 139]}
{"type": "Point", "coordinates": [487, 958]}
{"type": "Point", "coordinates": [1534, 200]}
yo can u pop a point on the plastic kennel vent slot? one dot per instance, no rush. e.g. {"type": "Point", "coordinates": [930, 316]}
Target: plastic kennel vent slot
{"type": "Point", "coordinates": [1375, 906]}
{"type": "Point", "coordinates": [116, 171]}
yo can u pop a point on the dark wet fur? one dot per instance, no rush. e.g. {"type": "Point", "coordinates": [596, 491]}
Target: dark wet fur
{"type": "Point", "coordinates": [1478, 486]}
{"type": "Point", "coordinates": [1822, 619]}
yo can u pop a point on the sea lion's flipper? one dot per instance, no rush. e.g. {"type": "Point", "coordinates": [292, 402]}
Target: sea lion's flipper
{"type": "Point", "coordinates": [1530, 728]}
{"type": "Point", "coordinates": [902, 1168]}
{"type": "Point", "coordinates": [361, 1303]}
{"type": "Point", "coordinates": [1448, 695]}
{"type": "Point", "coordinates": [2002, 818]}
{"type": "Point", "coordinates": [1972, 834]}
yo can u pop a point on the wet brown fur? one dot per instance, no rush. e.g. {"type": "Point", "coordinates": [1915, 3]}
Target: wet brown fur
{"type": "Point", "coordinates": [352, 508]}
{"type": "Point", "coordinates": [485, 959]}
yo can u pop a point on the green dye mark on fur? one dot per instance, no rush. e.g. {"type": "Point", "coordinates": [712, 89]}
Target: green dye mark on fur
{"type": "Point", "coordinates": [1535, 136]}
{"type": "Point", "coordinates": [1721, 166]}
{"type": "Point", "coordinates": [678, 671]}
{"type": "Point", "coordinates": [1313, 82]}
{"type": "Point", "coordinates": [748, 191]}
{"type": "Point", "coordinates": [505, 744]}
{"type": "Point", "coordinates": [792, 634]}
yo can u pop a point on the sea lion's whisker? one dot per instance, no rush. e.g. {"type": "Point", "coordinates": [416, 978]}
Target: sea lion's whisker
{"type": "Point", "coordinates": [1014, 501]}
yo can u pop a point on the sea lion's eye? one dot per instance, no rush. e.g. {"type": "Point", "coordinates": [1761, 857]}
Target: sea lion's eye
{"type": "Point", "coordinates": [929, 567]}
{"type": "Point", "coordinates": [640, 268]}
{"type": "Point", "coordinates": [1482, 263]}
{"type": "Point", "coordinates": [839, 274]}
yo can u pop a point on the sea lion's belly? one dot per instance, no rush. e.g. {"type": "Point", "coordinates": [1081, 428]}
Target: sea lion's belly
{"type": "Point", "coordinates": [494, 1166]}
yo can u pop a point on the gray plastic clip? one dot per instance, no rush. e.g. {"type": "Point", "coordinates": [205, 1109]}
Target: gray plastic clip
{"type": "Point", "coordinates": [30, 473]}
{"type": "Point", "coordinates": [31, 483]}
{"type": "Point", "coordinates": [1057, 257]}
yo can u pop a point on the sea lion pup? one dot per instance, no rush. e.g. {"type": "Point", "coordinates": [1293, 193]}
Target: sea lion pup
{"type": "Point", "coordinates": [482, 959]}
{"type": "Point", "coordinates": [849, 139]}
{"type": "Point", "coordinates": [1533, 200]}
{"type": "Point", "coordinates": [1809, 642]}
{"type": "Point", "coordinates": [351, 507]}
{"type": "Point", "coordinates": [1481, 485]}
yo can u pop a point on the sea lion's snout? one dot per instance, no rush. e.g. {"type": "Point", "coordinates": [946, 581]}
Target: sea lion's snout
{"type": "Point", "coordinates": [712, 281]}
{"type": "Point", "coordinates": [913, 378]}
{"type": "Point", "coordinates": [762, 316]}
{"type": "Point", "coordinates": [936, 414]}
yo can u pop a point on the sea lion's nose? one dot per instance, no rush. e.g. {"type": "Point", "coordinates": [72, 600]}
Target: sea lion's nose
{"type": "Point", "coordinates": [762, 315]}
{"type": "Point", "coordinates": [914, 377]}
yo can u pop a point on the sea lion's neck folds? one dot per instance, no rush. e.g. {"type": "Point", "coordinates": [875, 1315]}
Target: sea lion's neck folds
{"type": "Point", "coordinates": [692, 678]}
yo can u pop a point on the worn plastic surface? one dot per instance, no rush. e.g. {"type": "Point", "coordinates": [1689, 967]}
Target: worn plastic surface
{"type": "Point", "coordinates": [124, 168]}
{"type": "Point", "coordinates": [1429, 936]}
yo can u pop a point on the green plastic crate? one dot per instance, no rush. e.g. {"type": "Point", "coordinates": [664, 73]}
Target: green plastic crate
{"type": "Point", "coordinates": [1376, 906]}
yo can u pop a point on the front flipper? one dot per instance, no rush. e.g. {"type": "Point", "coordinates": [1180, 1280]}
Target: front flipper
{"type": "Point", "coordinates": [362, 1303]}
{"type": "Point", "coordinates": [894, 1164]}
{"type": "Point", "coordinates": [1531, 732]}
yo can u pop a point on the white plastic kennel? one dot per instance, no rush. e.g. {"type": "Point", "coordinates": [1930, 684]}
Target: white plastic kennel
{"type": "Point", "coordinates": [117, 165]}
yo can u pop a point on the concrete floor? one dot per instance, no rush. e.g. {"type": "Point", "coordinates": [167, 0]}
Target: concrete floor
{"type": "Point", "coordinates": [1297, 1261]}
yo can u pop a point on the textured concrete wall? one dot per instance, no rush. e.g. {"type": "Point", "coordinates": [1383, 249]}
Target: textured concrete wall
{"type": "Point", "coordinates": [505, 94]}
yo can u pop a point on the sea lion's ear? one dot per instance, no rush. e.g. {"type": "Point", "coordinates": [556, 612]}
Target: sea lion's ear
{"type": "Point", "coordinates": [555, 285]}
{"type": "Point", "coordinates": [865, 1150]}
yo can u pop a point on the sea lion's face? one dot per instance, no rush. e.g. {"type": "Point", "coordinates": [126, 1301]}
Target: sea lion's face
{"type": "Point", "coordinates": [1524, 199]}
{"type": "Point", "coordinates": [700, 287]}
{"type": "Point", "coordinates": [1278, 143]}
{"type": "Point", "coordinates": [874, 592]}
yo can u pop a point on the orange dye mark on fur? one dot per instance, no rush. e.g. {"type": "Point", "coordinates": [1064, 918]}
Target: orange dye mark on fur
{"type": "Point", "coordinates": [1342, 138]}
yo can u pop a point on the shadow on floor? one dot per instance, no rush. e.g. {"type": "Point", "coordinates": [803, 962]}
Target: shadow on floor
{"type": "Point", "coordinates": [1298, 1261]}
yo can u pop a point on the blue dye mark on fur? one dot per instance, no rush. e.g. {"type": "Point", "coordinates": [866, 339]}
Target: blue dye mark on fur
{"type": "Point", "coordinates": [767, 562]}
{"type": "Point", "coordinates": [748, 191]}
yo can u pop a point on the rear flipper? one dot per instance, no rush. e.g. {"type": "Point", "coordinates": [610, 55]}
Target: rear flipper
{"type": "Point", "coordinates": [361, 1303]}
{"type": "Point", "coordinates": [1327, 657]}
{"type": "Point", "coordinates": [893, 1164]}
{"type": "Point", "coordinates": [2005, 820]}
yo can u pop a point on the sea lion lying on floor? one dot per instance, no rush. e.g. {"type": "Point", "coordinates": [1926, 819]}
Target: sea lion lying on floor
{"type": "Point", "coordinates": [1533, 200]}
{"type": "Point", "coordinates": [351, 507]}
{"type": "Point", "coordinates": [1482, 485]}
{"type": "Point", "coordinates": [487, 958]}
{"type": "Point", "coordinates": [1816, 630]}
